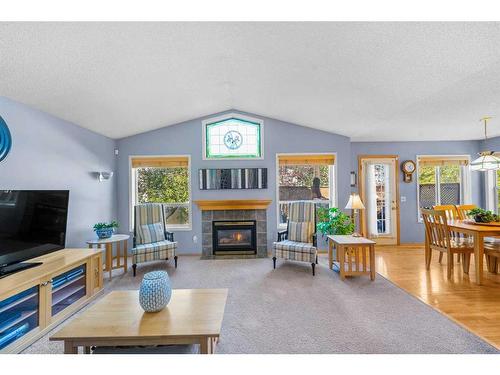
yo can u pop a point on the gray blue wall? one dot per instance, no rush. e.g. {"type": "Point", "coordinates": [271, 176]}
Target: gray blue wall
{"type": "Point", "coordinates": [411, 230]}
{"type": "Point", "coordinates": [186, 138]}
{"type": "Point", "coordinates": [50, 153]}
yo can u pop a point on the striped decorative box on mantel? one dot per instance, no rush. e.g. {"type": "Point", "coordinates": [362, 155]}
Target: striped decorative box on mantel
{"type": "Point", "coordinates": [235, 178]}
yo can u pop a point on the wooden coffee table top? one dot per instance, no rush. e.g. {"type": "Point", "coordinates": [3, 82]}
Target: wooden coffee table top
{"type": "Point", "coordinates": [118, 315]}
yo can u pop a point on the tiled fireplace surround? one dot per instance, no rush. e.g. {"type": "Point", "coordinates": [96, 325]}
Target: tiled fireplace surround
{"type": "Point", "coordinates": [207, 216]}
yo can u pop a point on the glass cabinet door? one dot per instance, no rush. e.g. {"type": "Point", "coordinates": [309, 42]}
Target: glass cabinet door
{"type": "Point", "coordinates": [68, 288]}
{"type": "Point", "coordinates": [19, 314]}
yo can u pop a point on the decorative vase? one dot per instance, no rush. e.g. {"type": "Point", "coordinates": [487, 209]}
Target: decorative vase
{"type": "Point", "coordinates": [104, 233]}
{"type": "Point", "coordinates": [155, 291]}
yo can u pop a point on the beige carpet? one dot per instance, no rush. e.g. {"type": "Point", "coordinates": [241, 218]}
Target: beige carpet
{"type": "Point", "coordinates": [287, 310]}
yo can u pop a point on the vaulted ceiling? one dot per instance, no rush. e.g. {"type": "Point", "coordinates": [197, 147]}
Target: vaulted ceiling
{"type": "Point", "coordinates": [368, 81]}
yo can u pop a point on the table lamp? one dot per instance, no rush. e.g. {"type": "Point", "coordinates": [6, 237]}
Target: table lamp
{"type": "Point", "coordinates": [355, 204]}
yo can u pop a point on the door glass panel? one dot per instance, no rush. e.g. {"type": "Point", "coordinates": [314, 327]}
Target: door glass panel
{"type": "Point", "coordinates": [383, 191]}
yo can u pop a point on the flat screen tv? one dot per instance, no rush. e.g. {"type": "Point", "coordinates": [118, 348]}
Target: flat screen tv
{"type": "Point", "coordinates": [32, 223]}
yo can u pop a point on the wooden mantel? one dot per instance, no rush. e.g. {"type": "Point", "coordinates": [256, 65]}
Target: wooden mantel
{"type": "Point", "coordinates": [235, 204]}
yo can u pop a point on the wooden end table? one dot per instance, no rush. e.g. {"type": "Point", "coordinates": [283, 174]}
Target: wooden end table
{"type": "Point", "coordinates": [354, 255]}
{"type": "Point", "coordinates": [193, 316]}
{"type": "Point", "coordinates": [121, 241]}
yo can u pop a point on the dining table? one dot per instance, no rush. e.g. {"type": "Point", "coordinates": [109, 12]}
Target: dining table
{"type": "Point", "coordinates": [478, 232]}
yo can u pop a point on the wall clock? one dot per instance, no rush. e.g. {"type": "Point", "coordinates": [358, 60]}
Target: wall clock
{"type": "Point", "coordinates": [408, 167]}
{"type": "Point", "coordinates": [5, 139]}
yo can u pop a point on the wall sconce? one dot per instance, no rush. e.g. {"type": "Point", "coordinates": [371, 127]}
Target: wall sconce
{"type": "Point", "coordinates": [104, 176]}
{"type": "Point", "coordinates": [353, 179]}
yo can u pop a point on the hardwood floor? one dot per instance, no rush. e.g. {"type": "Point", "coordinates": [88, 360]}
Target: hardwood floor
{"type": "Point", "coordinates": [477, 308]}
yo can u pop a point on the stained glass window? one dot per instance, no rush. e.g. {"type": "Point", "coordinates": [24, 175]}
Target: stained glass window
{"type": "Point", "coordinates": [233, 137]}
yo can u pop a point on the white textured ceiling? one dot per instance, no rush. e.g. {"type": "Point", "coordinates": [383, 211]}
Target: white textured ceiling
{"type": "Point", "coordinates": [368, 81]}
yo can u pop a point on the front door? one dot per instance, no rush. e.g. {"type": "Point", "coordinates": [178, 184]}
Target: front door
{"type": "Point", "coordinates": [379, 193]}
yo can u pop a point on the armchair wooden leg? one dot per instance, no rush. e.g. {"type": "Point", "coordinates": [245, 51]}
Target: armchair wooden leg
{"type": "Point", "coordinates": [274, 262]}
{"type": "Point", "coordinates": [313, 267]}
{"type": "Point", "coordinates": [316, 258]}
{"type": "Point", "coordinates": [134, 268]}
{"type": "Point", "coordinates": [175, 261]}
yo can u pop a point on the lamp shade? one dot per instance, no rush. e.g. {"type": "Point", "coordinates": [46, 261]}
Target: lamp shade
{"type": "Point", "coordinates": [486, 162]}
{"type": "Point", "coordinates": [355, 203]}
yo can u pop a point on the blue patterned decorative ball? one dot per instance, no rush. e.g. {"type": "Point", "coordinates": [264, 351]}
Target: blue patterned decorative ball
{"type": "Point", "coordinates": [155, 291]}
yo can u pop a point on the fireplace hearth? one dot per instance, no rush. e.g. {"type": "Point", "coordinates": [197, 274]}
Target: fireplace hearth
{"type": "Point", "coordinates": [229, 249]}
{"type": "Point", "coordinates": [234, 237]}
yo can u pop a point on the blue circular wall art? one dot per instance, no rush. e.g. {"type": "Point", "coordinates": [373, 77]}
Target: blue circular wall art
{"type": "Point", "coordinates": [233, 139]}
{"type": "Point", "coordinates": [5, 139]}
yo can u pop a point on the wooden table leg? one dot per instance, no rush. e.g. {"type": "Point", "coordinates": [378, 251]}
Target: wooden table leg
{"type": "Point", "coordinates": [118, 260]}
{"type": "Point", "coordinates": [69, 348]}
{"type": "Point", "coordinates": [206, 345]}
{"type": "Point", "coordinates": [372, 262]}
{"type": "Point", "coordinates": [330, 254]}
{"type": "Point", "coordinates": [125, 255]}
{"type": "Point", "coordinates": [340, 256]}
{"type": "Point", "coordinates": [478, 257]}
{"type": "Point", "coordinates": [109, 259]}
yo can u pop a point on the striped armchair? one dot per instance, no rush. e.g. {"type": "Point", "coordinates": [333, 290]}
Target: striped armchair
{"type": "Point", "coordinates": [298, 241]}
{"type": "Point", "coordinates": [151, 239]}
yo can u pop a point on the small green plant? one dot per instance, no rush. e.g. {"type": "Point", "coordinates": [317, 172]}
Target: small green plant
{"type": "Point", "coordinates": [483, 216]}
{"type": "Point", "coordinates": [113, 224]}
{"type": "Point", "coordinates": [334, 221]}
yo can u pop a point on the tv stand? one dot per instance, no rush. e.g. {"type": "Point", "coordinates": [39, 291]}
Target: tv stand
{"type": "Point", "coordinates": [16, 267]}
{"type": "Point", "coordinates": [36, 299]}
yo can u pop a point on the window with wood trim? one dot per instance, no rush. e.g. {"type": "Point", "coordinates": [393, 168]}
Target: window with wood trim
{"type": "Point", "coordinates": [163, 179]}
{"type": "Point", "coordinates": [492, 190]}
{"type": "Point", "coordinates": [443, 180]}
{"type": "Point", "coordinates": [306, 177]}
{"type": "Point", "coordinates": [233, 136]}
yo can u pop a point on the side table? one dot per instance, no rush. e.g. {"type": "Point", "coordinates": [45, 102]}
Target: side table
{"type": "Point", "coordinates": [355, 255]}
{"type": "Point", "coordinates": [107, 243]}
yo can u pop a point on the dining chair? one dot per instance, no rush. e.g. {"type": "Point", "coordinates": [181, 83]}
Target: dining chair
{"type": "Point", "coordinates": [451, 214]}
{"type": "Point", "coordinates": [463, 210]}
{"type": "Point", "coordinates": [439, 237]}
{"type": "Point", "coordinates": [492, 254]}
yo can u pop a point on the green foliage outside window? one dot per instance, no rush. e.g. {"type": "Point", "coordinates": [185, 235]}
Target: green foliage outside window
{"type": "Point", "coordinates": [165, 185]}
{"type": "Point", "coordinates": [162, 185]}
{"type": "Point", "coordinates": [302, 175]}
{"type": "Point", "coordinates": [427, 175]}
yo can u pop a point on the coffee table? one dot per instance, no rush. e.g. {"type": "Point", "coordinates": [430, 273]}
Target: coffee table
{"type": "Point", "coordinates": [193, 316]}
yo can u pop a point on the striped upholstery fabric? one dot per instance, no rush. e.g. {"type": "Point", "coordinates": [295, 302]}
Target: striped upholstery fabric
{"type": "Point", "coordinates": [153, 251]}
{"type": "Point", "coordinates": [150, 242]}
{"type": "Point", "coordinates": [291, 250]}
{"type": "Point", "coordinates": [300, 231]}
{"type": "Point", "coordinates": [301, 211]}
{"type": "Point", "coordinates": [301, 227]}
{"type": "Point", "coordinates": [148, 213]}
{"type": "Point", "coordinates": [152, 233]}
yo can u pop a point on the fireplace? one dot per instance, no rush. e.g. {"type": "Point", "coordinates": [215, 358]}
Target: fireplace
{"type": "Point", "coordinates": [234, 237]}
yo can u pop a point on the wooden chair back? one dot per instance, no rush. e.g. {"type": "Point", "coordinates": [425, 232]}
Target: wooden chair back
{"type": "Point", "coordinates": [451, 211]}
{"type": "Point", "coordinates": [436, 229]}
{"type": "Point", "coordinates": [463, 210]}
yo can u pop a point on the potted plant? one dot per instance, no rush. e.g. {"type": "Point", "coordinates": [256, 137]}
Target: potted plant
{"type": "Point", "coordinates": [105, 230]}
{"type": "Point", "coordinates": [334, 221]}
{"type": "Point", "coordinates": [483, 216]}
